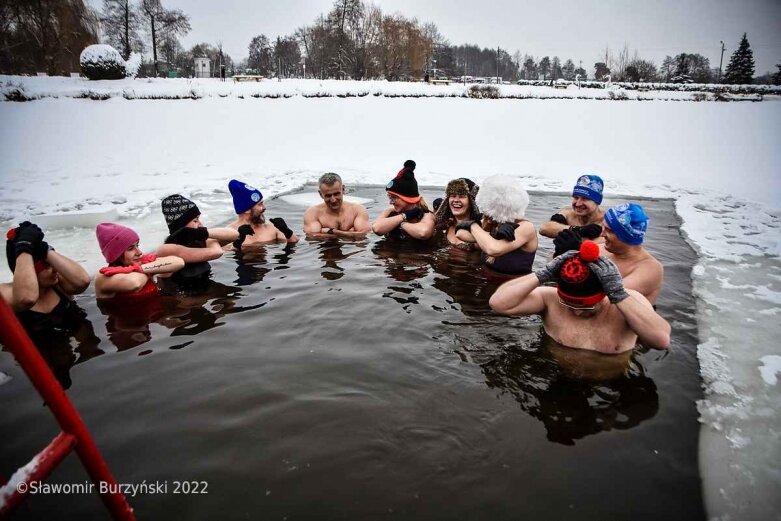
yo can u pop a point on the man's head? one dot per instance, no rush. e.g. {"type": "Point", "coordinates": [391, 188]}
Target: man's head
{"type": "Point", "coordinates": [331, 189]}
{"type": "Point", "coordinates": [179, 212]}
{"type": "Point", "coordinates": [625, 224]}
{"type": "Point", "coordinates": [403, 189]}
{"type": "Point", "coordinates": [587, 194]}
{"type": "Point", "coordinates": [578, 287]}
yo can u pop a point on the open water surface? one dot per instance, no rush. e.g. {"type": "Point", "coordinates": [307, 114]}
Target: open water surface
{"type": "Point", "coordinates": [370, 380]}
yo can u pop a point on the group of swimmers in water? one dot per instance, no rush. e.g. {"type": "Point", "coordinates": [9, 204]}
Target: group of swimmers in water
{"type": "Point", "coordinates": [596, 293]}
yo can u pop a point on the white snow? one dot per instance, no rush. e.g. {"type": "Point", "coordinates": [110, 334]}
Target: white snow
{"type": "Point", "coordinates": [21, 475]}
{"type": "Point", "coordinates": [718, 161]}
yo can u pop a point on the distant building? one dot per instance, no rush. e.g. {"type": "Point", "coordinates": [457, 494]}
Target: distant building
{"type": "Point", "coordinates": [203, 68]}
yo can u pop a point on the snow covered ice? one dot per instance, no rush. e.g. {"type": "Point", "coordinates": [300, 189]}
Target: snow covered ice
{"type": "Point", "coordinates": [719, 161]}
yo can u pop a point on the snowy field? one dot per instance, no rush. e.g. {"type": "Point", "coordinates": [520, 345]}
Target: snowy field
{"type": "Point", "coordinates": [719, 161]}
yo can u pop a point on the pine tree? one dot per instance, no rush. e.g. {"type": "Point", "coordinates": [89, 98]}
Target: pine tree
{"type": "Point", "coordinates": [740, 70]}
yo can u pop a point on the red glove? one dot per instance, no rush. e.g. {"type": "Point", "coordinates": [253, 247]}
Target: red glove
{"type": "Point", "coordinates": [109, 271]}
{"type": "Point", "coordinates": [149, 257]}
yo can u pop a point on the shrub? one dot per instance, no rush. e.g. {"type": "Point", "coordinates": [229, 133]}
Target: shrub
{"type": "Point", "coordinates": [102, 62]}
{"type": "Point", "coordinates": [483, 91]}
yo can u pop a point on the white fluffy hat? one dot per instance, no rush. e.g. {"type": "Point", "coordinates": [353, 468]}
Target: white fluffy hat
{"type": "Point", "coordinates": [502, 198]}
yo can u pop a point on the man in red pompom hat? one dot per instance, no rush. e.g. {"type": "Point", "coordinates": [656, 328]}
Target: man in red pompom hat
{"type": "Point", "coordinates": [589, 308]}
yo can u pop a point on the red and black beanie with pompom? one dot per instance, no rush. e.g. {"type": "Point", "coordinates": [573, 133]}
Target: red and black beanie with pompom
{"type": "Point", "coordinates": [577, 283]}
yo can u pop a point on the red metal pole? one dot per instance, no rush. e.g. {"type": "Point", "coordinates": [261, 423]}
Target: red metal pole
{"type": "Point", "coordinates": [15, 338]}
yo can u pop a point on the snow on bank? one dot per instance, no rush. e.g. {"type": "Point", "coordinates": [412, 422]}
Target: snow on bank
{"type": "Point", "coordinates": [31, 88]}
{"type": "Point", "coordinates": [718, 161]}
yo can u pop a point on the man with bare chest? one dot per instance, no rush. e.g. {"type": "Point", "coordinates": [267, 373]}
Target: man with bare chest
{"type": "Point", "coordinates": [251, 222]}
{"type": "Point", "coordinates": [584, 214]}
{"type": "Point", "coordinates": [335, 217]}
{"type": "Point", "coordinates": [589, 309]}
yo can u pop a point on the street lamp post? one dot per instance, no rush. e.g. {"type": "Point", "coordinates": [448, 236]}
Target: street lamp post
{"type": "Point", "coordinates": [721, 59]}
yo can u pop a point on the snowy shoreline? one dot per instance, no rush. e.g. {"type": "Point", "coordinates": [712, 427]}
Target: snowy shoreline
{"type": "Point", "coordinates": [718, 161]}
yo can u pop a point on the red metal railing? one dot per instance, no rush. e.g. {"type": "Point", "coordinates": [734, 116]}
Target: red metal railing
{"type": "Point", "coordinates": [74, 433]}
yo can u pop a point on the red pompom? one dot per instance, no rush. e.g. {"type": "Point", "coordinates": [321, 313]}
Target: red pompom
{"type": "Point", "coordinates": [589, 251]}
{"type": "Point", "coordinates": [11, 235]}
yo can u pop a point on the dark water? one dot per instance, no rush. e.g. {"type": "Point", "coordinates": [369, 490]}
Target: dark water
{"type": "Point", "coordinates": [362, 380]}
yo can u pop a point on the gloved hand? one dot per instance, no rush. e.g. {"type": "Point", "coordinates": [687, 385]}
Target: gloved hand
{"type": "Point", "coordinates": [41, 250]}
{"type": "Point", "coordinates": [149, 257]}
{"type": "Point", "coordinates": [566, 240]}
{"type": "Point", "coordinates": [27, 238]}
{"type": "Point", "coordinates": [415, 213]}
{"type": "Point", "coordinates": [188, 236]}
{"type": "Point", "coordinates": [611, 280]}
{"type": "Point", "coordinates": [464, 225]}
{"type": "Point", "coordinates": [244, 230]}
{"type": "Point", "coordinates": [110, 271]}
{"type": "Point", "coordinates": [505, 232]}
{"type": "Point", "coordinates": [559, 218]}
{"type": "Point", "coordinates": [281, 225]}
{"type": "Point", "coordinates": [590, 231]}
{"type": "Point", "coordinates": [551, 270]}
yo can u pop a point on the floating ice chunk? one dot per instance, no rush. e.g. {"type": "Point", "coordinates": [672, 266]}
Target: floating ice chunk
{"type": "Point", "coordinates": [77, 218]}
{"type": "Point", "coordinates": [770, 368]}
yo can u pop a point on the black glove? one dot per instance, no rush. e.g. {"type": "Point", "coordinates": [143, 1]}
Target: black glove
{"type": "Point", "coordinates": [464, 225]}
{"type": "Point", "coordinates": [189, 237]}
{"type": "Point", "coordinates": [590, 231]}
{"type": "Point", "coordinates": [281, 225]}
{"type": "Point", "coordinates": [611, 280]}
{"type": "Point", "coordinates": [559, 218]}
{"type": "Point", "coordinates": [415, 213]}
{"type": "Point", "coordinates": [244, 230]}
{"type": "Point", "coordinates": [41, 250]}
{"type": "Point", "coordinates": [566, 240]}
{"type": "Point", "coordinates": [28, 236]}
{"type": "Point", "coordinates": [551, 270]}
{"type": "Point", "coordinates": [505, 232]}
{"type": "Point", "coordinates": [437, 203]}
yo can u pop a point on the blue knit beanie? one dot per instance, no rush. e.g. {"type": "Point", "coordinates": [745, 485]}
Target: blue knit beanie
{"type": "Point", "coordinates": [244, 196]}
{"type": "Point", "coordinates": [589, 186]}
{"type": "Point", "coordinates": [629, 222]}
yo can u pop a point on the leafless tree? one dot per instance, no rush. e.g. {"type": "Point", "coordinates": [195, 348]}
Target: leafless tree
{"type": "Point", "coordinates": [163, 23]}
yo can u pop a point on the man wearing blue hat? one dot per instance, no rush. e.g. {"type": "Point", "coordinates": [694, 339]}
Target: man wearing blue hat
{"type": "Point", "coordinates": [624, 231]}
{"type": "Point", "coordinates": [584, 215]}
{"type": "Point", "coordinates": [251, 218]}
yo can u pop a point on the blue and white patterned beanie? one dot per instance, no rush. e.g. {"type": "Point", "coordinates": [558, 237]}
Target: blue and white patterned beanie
{"type": "Point", "coordinates": [629, 222]}
{"type": "Point", "coordinates": [589, 186]}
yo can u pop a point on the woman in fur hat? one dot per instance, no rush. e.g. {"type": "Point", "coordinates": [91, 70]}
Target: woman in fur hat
{"type": "Point", "coordinates": [408, 216]}
{"type": "Point", "coordinates": [507, 240]}
{"type": "Point", "coordinates": [459, 206]}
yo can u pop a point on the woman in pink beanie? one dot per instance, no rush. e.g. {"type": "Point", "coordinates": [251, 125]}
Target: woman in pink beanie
{"type": "Point", "coordinates": [129, 272]}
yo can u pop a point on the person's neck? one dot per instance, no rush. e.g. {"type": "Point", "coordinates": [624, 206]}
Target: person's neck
{"type": "Point", "coordinates": [629, 253]}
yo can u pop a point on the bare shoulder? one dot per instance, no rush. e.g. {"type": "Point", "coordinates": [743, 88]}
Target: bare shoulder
{"type": "Point", "coordinates": [235, 225]}
{"type": "Point", "coordinates": [354, 208]}
{"type": "Point", "coordinates": [6, 290]}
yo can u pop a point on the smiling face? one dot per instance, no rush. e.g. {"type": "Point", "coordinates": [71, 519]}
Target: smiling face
{"type": "Point", "coordinates": [132, 255]}
{"type": "Point", "coordinates": [459, 206]}
{"type": "Point", "coordinates": [583, 207]}
{"type": "Point", "coordinates": [333, 195]}
{"type": "Point", "coordinates": [399, 205]}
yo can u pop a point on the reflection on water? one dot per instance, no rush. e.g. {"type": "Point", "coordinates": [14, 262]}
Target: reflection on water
{"type": "Point", "coordinates": [574, 393]}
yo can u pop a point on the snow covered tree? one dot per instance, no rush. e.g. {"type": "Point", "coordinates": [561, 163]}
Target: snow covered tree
{"type": "Point", "coordinates": [530, 69]}
{"type": "Point", "coordinates": [600, 71]}
{"type": "Point", "coordinates": [777, 75]}
{"type": "Point", "coordinates": [556, 71]}
{"type": "Point", "coordinates": [668, 68]}
{"type": "Point", "coordinates": [163, 23]}
{"type": "Point", "coordinates": [580, 73]}
{"type": "Point", "coordinates": [121, 22]}
{"type": "Point", "coordinates": [740, 70]}
{"type": "Point", "coordinates": [568, 70]}
{"type": "Point", "coordinates": [544, 67]}
{"type": "Point", "coordinates": [261, 56]}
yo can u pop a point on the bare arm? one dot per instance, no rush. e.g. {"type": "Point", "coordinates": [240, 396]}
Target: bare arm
{"type": "Point", "coordinates": [106, 287]}
{"type": "Point", "coordinates": [384, 224]}
{"type": "Point", "coordinates": [223, 235]}
{"type": "Point", "coordinates": [168, 264]}
{"type": "Point", "coordinates": [23, 292]}
{"type": "Point", "coordinates": [212, 251]}
{"type": "Point", "coordinates": [552, 228]}
{"type": "Point", "coordinates": [423, 229]}
{"type": "Point", "coordinates": [311, 222]}
{"type": "Point", "coordinates": [521, 296]}
{"type": "Point", "coordinates": [651, 329]}
{"type": "Point", "coordinates": [73, 278]}
{"type": "Point", "coordinates": [495, 247]}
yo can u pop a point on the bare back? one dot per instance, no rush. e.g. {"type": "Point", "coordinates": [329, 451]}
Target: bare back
{"type": "Point", "coordinates": [640, 271]}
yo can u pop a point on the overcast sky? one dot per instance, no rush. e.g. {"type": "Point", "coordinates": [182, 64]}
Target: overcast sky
{"type": "Point", "coordinates": [576, 29]}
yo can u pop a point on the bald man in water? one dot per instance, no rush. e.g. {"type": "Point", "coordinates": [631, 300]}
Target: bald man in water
{"type": "Point", "coordinates": [335, 217]}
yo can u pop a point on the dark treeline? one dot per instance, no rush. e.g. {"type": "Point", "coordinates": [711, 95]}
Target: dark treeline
{"type": "Point", "coordinates": [355, 40]}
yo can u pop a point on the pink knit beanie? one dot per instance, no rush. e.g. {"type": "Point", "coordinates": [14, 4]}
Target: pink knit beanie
{"type": "Point", "coordinates": [114, 239]}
